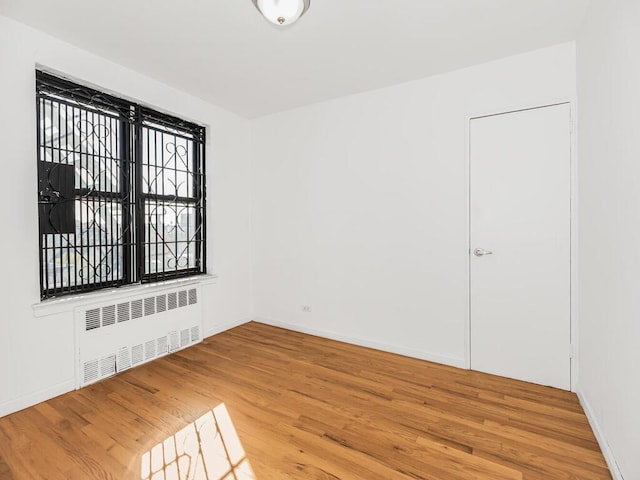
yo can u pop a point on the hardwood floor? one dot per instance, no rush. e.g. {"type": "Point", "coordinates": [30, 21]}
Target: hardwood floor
{"type": "Point", "coordinates": [302, 407]}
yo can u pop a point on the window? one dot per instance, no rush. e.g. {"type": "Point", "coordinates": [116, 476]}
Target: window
{"type": "Point", "coordinates": [121, 191]}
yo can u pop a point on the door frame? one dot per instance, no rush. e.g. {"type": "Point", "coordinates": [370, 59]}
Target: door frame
{"type": "Point", "coordinates": [573, 244]}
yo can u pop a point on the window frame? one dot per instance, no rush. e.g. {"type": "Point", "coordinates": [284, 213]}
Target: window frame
{"type": "Point", "coordinates": [130, 197]}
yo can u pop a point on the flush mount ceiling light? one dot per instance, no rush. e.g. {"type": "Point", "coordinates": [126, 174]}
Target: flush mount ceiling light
{"type": "Point", "coordinates": [282, 12]}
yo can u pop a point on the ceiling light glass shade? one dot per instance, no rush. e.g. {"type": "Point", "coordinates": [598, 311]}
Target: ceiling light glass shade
{"type": "Point", "coordinates": [282, 12]}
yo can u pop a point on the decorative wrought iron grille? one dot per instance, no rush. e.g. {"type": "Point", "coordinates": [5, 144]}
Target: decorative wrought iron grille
{"type": "Point", "coordinates": [121, 191]}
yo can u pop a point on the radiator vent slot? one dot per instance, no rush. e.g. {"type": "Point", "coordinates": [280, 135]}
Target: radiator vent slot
{"type": "Point", "coordinates": [182, 298]}
{"type": "Point", "coordinates": [136, 309]}
{"type": "Point", "coordinates": [161, 346]}
{"type": "Point", "coordinates": [150, 350]}
{"type": "Point", "coordinates": [184, 337]}
{"type": "Point", "coordinates": [92, 319]}
{"type": "Point", "coordinates": [137, 354]}
{"type": "Point", "coordinates": [123, 360]}
{"type": "Point", "coordinates": [108, 315]}
{"type": "Point", "coordinates": [161, 303]}
{"type": "Point", "coordinates": [172, 298]}
{"type": "Point", "coordinates": [174, 341]}
{"type": "Point", "coordinates": [193, 296]}
{"type": "Point", "coordinates": [149, 306]}
{"type": "Point", "coordinates": [108, 366]}
{"type": "Point", "coordinates": [123, 312]}
{"type": "Point", "coordinates": [195, 334]}
{"type": "Point", "coordinates": [91, 371]}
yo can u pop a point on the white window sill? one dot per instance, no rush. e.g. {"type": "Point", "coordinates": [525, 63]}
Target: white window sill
{"type": "Point", "coordinates": [69, 303]}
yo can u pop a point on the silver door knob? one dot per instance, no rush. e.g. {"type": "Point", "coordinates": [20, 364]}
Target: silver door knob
{"type": "Point", "coordinates": [481, 252]}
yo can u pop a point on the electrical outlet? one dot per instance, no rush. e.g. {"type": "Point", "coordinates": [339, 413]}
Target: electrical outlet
{"type": "Point", "coordinates": [306, 308]}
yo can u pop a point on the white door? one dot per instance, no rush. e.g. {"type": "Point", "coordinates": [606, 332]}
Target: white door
{"type": "Point", "coordinates": [520, 183]}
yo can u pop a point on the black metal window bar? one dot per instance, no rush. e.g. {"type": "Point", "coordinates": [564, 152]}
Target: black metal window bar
{"type": "Point", "coordinates": [121, 191]}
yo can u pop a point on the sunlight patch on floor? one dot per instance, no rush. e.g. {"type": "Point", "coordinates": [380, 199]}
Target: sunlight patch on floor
{"type": "Point", "coordinates": [207, 449]}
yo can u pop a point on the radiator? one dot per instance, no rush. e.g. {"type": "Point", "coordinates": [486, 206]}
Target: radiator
{"type": "Point", "coordinates": [115, 336]}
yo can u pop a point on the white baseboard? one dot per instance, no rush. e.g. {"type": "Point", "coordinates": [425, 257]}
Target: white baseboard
{"type": "Point", "coordinates": [26, 401]}
{"type": "Point", "coordinates": [226, 326]}
{"type": "Point", "coordinates": [407, 352]}
{"type": "Point", "coordinates": [602, 441]}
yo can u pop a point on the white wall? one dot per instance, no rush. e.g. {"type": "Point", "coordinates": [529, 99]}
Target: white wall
{"type": "Point", "coordinates": [359, 211]}
{"type": "Point", "coordinates": [609, 226]}
{"type": "Point", "coordinates": [359, 206]}
{"type": "Point", "coordinates": [36, 354]}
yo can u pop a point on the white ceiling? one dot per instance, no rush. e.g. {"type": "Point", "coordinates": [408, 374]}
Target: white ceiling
{"type": "Point", "coordinates": [224, 52]}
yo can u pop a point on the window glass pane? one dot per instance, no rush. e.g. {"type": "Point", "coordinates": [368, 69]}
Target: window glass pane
{"type": "Point", "coordinates": [89, 140]}
{"type": "Point", "coordinates": [167, 164]}
{"type": "Point", "coordinates": [101, 233]}
{"type": "Point", "coordinates": [73, 135]}
{"type": "Point", "coordinates": [172, 237]}
{"type": "Point", "coordinates": [94, 254]}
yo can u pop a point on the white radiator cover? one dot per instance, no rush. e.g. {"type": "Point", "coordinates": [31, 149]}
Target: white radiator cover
{"type": "Point", "coordinates": [114, 336]}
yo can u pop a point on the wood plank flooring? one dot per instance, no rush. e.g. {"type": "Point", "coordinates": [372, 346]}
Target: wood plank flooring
{"type": "Point", "coordinates": [266, 403]}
